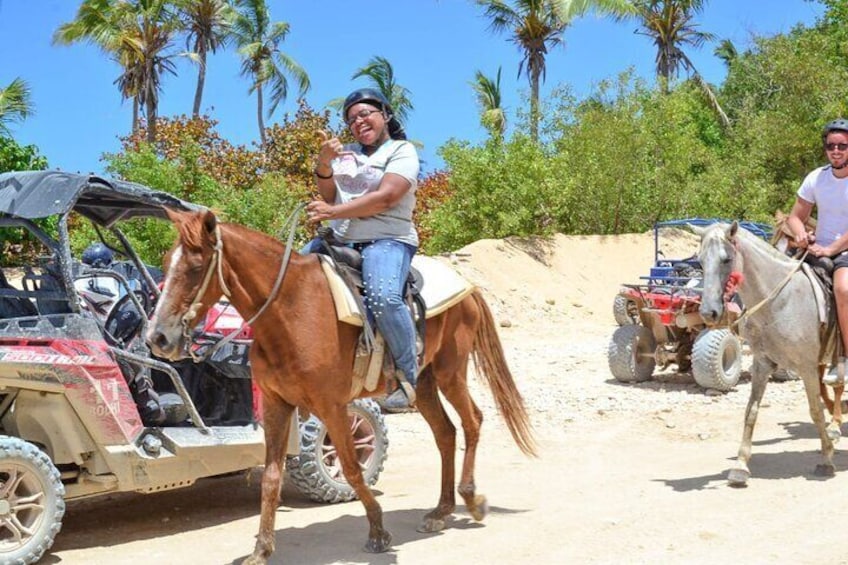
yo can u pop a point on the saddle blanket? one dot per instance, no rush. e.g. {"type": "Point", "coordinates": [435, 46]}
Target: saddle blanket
{"type": "Point", "coordinates": [442, 287]}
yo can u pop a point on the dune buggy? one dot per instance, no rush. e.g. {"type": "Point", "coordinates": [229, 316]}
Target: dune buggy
{"type": "Point", "coordinates": [659, 323]}
{"type": "Point", "coordinates": [74, 421]}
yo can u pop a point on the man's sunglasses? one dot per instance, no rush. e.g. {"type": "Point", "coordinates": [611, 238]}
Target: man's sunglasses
{"type": "Point", "coordinates": [832, 146]}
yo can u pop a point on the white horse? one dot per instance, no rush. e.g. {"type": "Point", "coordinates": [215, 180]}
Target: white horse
{"type": "Point", "coordinates": [782, 330]}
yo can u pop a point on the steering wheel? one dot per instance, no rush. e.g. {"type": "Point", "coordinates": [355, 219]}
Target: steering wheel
{"type": "Point", "coordinates": [123, 323]}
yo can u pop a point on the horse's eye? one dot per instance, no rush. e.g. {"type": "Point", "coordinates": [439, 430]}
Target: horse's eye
{"type": "Point", "coordinates": [195, 269]}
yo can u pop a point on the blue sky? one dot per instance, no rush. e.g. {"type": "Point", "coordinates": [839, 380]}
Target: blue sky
{"type": "Point", "coordinates": [435, 47]}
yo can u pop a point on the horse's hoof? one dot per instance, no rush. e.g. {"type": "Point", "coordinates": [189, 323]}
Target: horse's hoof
{"type": "Point", "coordinates": [379, 545]}
{"type": "Point", "coordinates": [834, 433]}
{"type": "Point", "coordinates": [825, 470]}
{"type": "Point", "coordinates": [738, 477]}
{"type": "Point", "coordinates": [431, 525]}
{"type": "Point", "coordinates": [480, 508]}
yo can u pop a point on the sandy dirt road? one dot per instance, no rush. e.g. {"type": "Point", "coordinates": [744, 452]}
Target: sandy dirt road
{"type": "Point", "coordinates": [640, 479]}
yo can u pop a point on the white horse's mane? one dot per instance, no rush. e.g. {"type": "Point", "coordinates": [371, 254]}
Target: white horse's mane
{"type": "Point", "coordinates": [752, 242]}
{"type": "Point", "coordinates": [764, 247]}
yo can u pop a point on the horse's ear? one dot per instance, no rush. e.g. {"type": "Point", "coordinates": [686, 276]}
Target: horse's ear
{"type": "Point", "coordinates": [734, 227]}
{"type": "Point", "coordinates": [210, 222]}
{"type": "Point", "coordinates": [175, 216]}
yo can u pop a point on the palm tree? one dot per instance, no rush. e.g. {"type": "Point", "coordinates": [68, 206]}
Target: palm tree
{"type": "Point", "coordinates": [488, 93]}
{"type": "Point", "coordinates": [258, 41]}
{"type": "Point", "coordinates": [15, 104]}
{"type": "Point", "coordinates": [207, 23]}
{"type": "Point", "coordinates": [726, 51]}
{"type": "Point", "coordinates": [669, 23]}
{"type": "Point", "coordinates": [138, 35]}
{"type": "Point", "coordinates": [382, 77]}
{"type": "Point", "coordinates": [538, 25]}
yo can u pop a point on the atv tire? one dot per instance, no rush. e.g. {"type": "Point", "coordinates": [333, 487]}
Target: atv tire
{"type": "Point", "coordinates": [317, 471]}
{"type": "Point", "coordinates": [631, 354]}
{"type": "Point", "coordinates": [717, 359]}
{"type": "Point", "coordinates": [32, 502]}
{"type": "Point", "coordinates": [625, 310]}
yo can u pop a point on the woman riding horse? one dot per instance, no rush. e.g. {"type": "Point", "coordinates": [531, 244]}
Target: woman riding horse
{"type": "Point", "coordinates": [368, 192]}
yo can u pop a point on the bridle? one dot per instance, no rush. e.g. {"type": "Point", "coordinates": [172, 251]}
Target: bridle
{"type": "Point", "coordinates": [218, 261]}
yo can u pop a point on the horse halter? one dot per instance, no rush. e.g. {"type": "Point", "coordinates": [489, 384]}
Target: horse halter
{"type": "Point", "coordinates": [191, 313]}
{"type": "Point", "coordinates": [217, 259]}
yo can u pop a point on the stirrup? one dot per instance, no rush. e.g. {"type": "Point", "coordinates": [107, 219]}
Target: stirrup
{"type": "Point", "coordinates": [395, 403]}
{"type": "Point", "coordinates": [406, 387]}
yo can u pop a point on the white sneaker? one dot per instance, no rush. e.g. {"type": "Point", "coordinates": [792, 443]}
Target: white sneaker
{"type": "Point", "coordinates": [836, 375]}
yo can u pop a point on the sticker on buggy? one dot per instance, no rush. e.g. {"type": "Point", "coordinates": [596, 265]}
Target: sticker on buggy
{"type": "Point", "coordinates": [48, 358]}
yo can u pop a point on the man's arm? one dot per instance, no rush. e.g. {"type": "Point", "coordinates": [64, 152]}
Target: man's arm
{"type": "Point", "coordinates": [796, 222]}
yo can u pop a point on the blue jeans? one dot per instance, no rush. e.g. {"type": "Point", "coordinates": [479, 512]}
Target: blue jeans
{"type": "Point", "coordinates": [385, 268]}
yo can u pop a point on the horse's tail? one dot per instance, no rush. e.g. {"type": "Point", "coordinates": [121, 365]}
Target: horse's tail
{"type": "Point", "coordinates": [491, 363]}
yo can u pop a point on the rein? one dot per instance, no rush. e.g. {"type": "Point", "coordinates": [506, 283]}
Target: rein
{"type": "Point", "coordinates": [291, 223]}
{"type": "Point", "coordinates": [775, 291]}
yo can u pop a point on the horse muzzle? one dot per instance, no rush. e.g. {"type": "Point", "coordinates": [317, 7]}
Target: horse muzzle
{"type": "Point", "coordinates": [170, 347]}
{"type": "Point", "coordinates": [712, 315]}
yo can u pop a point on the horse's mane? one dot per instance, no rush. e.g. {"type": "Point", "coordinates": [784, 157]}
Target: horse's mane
{"type": "Point", "coordinates": [764, 247]}
{"type": "Point", "coordinates": [256, 237]}
{"type": "Point", "coordinates": [192, 230]}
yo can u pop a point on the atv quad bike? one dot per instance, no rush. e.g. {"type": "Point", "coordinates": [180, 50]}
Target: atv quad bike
{"type": "Point", "coordinates": [73, 364]}
{"type": "Point", "coordinates": [659, 323]}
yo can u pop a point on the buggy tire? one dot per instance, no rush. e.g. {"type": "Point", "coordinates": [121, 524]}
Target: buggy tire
{"type": "Point", "coordinates": [32, 502]}
{"type": "Point", "coordinates": [717, 359]}
{"type": "Point", "coordinates": [631, 354]}
{"type": "Point", "coordinates": [625, 311]}
{"type": "Point", "coordinates": [317, 471]}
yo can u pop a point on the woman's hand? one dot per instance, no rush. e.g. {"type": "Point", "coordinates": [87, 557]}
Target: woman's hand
{"type": "Point", "coordinates": [318, 211]}
{"type": "Point", "coordinates": [331, 147]}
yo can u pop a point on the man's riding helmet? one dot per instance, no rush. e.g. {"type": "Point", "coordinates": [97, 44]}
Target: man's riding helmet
{"type": "Point", "coordinates": [97, 255]}
{"type": "Point", "coordinates": [376, 99]}
{"type": "Point", "coordinates": [838, 124]}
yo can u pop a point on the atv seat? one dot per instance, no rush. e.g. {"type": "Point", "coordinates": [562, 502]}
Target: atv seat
{"type": "Point", "coordinates": [12, 303]}
{"type": "Point", "coordinates": [50, 295]}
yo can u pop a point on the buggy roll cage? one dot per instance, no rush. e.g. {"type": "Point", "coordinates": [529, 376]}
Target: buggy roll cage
{"type": "Point", "coordinates": [759, 229]}
{"type": "Point", "coordinates": [34, 195]}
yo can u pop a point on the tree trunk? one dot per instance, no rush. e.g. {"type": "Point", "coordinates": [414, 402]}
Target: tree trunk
{"type": "Point", "coordinates": [534, 104]}
{"type": "Point", "coordinates": [151, 100]}
{"type": "Point", "coordinates": [151, 115]}
{"type": "Point", "coordinates": [201, 81]}
{"type": "Point", "coordinates": [259, 115]}
{"type": "Point", "coordinates": [699, 80]}
{"type": "Point", "coordinates": [135, 114]}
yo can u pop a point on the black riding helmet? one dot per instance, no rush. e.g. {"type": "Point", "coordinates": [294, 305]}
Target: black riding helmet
{"type": "Point", "coordinates": [376, 99]}
{"type": "Point", "coordinates": [838, 124]}
{"type": "Point", "coordinates": [97, 255]}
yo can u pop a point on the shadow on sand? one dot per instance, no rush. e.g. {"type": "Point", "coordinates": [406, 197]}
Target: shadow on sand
{"type": "Point", "coordinates": [770, 466]}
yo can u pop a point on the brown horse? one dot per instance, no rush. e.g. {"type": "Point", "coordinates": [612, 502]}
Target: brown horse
{"type": "Point", "coordinates": [302, 356]}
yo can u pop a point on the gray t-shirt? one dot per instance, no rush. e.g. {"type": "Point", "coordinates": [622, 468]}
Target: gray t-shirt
{"type": "Point", "coordinates": [357, 174]}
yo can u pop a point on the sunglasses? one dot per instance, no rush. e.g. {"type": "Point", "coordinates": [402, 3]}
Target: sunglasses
{"type": "Point", "coordinates": [363, 113]}
{"type": "Point", "coordinates": [839, 146]}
